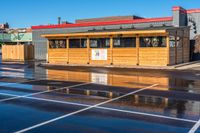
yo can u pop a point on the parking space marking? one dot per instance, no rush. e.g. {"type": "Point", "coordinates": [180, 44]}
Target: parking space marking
{"type": "Point", "coordinates": [195, 127]}
{"type": "Point", "coordinates": [105, 108]}
{"type": "Point", "coordinates": [81, 110]}
{"type": "Point", "coordinates": [42, 92]}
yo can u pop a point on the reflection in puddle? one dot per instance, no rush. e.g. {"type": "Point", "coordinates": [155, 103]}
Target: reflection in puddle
{"type": "Point", "coordinates": [131, 81]}
{"type": "Point", "coordinates": [159, 105]}
{"type": "Point", "coordinates": [99, 78]}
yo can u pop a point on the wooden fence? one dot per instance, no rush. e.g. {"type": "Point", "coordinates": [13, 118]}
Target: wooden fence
{"type": "Point", "coordinates": [17, 52]}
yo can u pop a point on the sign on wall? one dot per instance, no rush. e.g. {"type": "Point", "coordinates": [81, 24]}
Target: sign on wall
{"type": "Point", "coordinates": [99, 54]}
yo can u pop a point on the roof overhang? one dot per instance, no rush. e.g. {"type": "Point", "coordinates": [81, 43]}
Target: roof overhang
{"type": "Point", "coordinates": [85, 34]}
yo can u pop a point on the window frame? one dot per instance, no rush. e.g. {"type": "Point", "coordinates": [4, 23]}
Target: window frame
{"type": "Point", "coordinates": [151, 39]}
{"type": "Point", "coordinates": [81, 40]}
{"type": "Point", "coordinates": [122, 42]}
{"type": "Point", "coordinates": [102, 44]}
{"type": "Point", "coordinates": [56, 46]}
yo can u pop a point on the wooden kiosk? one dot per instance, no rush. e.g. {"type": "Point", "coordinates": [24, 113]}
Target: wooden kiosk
{"type": "Point", "coordinates": [161, 46]}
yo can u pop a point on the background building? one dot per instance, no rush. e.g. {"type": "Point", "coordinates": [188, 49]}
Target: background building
{"type": "Point", "coordinates": [15, 36]}
{"type": "Point", "coordinates": [180, 17]}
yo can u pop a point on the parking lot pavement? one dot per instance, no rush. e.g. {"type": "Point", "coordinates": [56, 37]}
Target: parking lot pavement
{"type": "Point", "coordinates": [34, 99]}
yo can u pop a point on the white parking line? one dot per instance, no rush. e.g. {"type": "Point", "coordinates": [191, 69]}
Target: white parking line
{"type": "Point", "coordinates": [81, 110]}
{"type": "Point", "coordinates": [41, 92]}
{"type": "Point", "coordinates": [195, 127]}
{"type": "Point", "coordinates": [105, 108]}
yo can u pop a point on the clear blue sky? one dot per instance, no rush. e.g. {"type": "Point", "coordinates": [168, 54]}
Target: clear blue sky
{"type": "Point", "coordinates": [25, 13]}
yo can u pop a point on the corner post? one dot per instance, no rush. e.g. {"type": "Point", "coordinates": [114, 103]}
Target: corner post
{"type": "Point", "coordinates": [137, 49]}
{"type": "Point", "coordinates": [47, 51]}
{"type": "Point", "coordinates": [168, 50]}
{"type": "Point", "coordinates": [111, 50]}
{"type": "Point", "coordinates": [88, 49]}
{"type": "Point", "coordinates": [67, 43]}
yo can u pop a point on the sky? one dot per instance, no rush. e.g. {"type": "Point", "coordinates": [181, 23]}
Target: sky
{"type": "Point", "coordinates": [27, 13]}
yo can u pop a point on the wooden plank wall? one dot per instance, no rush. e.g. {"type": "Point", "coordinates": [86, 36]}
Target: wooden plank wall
{"type": "Point", "coordinates": [124, 56]}
{"type": "Point", "coordinates": [172, 59]}
{"type": "Point", "coordinates": [153, 56]}
{"type": "Point", "coordinates": [57, 55]}
{"type": "Point", "coordinates": [186, 49]}
{"type": "Point", "coordinates": [17, 52]}
{"type": "Point", "coordinates": [78, 56]}
{"type": "Point", "coordinates": [179, 55]}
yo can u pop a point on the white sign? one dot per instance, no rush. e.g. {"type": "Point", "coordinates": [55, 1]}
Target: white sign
{"type": "Point", "coordinates": [99, 54]}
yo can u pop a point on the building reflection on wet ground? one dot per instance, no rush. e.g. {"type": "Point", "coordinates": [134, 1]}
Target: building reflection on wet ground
{"type": "Point", "coordinates": [176, 96]}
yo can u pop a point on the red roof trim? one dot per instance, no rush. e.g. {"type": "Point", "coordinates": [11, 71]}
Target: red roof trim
{"type": "Point", "coordinates": [178, 8]}
{"type": "Point", "coordinates": [193, 11]}
{"type": "Point", "coordinates": [146, 20]}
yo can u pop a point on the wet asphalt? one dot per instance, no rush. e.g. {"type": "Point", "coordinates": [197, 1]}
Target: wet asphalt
{"type": "Point", "coordinates": [30, 95]}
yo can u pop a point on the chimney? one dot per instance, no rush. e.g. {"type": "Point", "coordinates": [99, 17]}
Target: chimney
{"type": "Point", "coordinates": [59, 20]}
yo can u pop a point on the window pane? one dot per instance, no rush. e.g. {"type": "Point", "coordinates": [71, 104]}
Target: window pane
{"type": "Point", "coordinates": [99, 43]}
{"type": "Point", "coordinates": [157, 41]}
{"type": "Point", "coordinates": [77, 43]}
{"type": "Point", "coordinates": [179, 42]}
{"type": "Point", "coordinates": [57, 43]}
{"type": "Point", "coordinates": [172, 41]}
{"type": "Point", "coordinates": [124, 42]}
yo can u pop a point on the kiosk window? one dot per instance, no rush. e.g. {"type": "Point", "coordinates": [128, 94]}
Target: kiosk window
{"type": "Point", "coordinates": [99, 43]}
{"type": "Point", "coordinates": [57, 43]}
{"type": "Point", "coordinates": [77, 43]}
{"type": "Point", "coordinates": [172, 41]}
{"type": "Point", "coordinates": [157, 41]}
{"type": "Point", "coordinates": [124, 42]}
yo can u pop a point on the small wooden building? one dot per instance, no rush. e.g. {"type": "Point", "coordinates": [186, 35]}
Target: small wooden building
{"type": "Point", "coordinates": [161, 46]}
{"type": "Point", "coordinates": [17, 52]}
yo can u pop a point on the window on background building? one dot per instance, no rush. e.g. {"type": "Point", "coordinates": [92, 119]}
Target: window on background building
{"type": "Point", "coordinates": [157, 41]}
{"type": "Point", "coordinates": [77, 43]}
{"type": "Point", "coordinates": [99, 43]}
{"type": "Point", "coordinates": [57, 43]}
{"type": "Point", "coordinates": [172, 41]}
{"type": "Point", "coordinates": [124, 42]}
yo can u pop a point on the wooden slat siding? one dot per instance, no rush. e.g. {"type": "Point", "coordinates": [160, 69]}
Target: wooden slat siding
{"type": "Point", "coordinates": [186, 53]}
{"type": "Point", "coordinates": [58, 55]}
{"type": "Point", "coordinates": [78, 56]}
{"type": "Point", "coordinates": [153, 56]}
{"type": "Point", "coordinates": [124, 56]}
{"type": "Point", "coordinates": [30, 52]}
{"type": "Point", "coordinates": [179, 55]}
{"type": "Point", "coordinates": [172, 56]}
{"type": "Point", "coordinates": [17, 52]}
